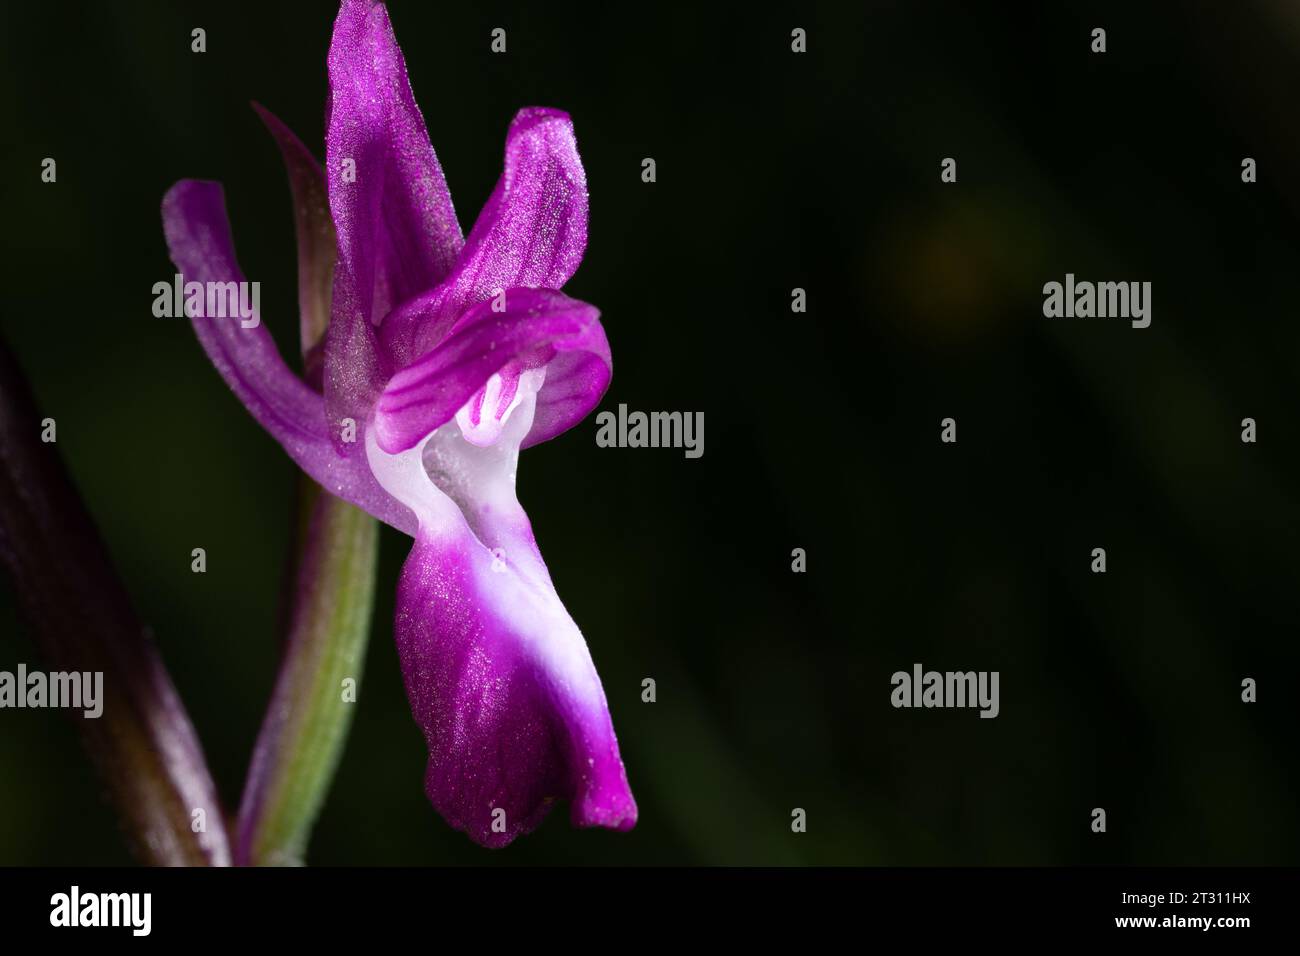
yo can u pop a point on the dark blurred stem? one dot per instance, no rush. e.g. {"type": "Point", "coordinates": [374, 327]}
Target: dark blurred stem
{"type": "Point", "coordinates": [81, 619]}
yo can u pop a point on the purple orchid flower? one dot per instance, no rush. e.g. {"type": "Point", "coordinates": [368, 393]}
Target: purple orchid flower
{"type": "Point", "coordinates": [443, 358]}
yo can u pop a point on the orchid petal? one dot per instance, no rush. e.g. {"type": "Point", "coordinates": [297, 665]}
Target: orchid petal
{"type": "Point", "coordinates": [499, 677]}
{"type": "Point", "coordinates": [502, 684]}
{"type": "Point", "coordinates": [538, 327]}
{"type": "Point", "coordinates": [199, 240]}
{"type": "Point", "coordinates": [397, 230]}
{"type": "Point", "coordinates": [532, 233]}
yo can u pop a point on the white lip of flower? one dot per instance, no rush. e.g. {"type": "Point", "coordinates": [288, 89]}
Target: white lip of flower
{"type": "Point", "coordinates": [469, 468]}
{"type": "Point", "coordinates": [489, 426]}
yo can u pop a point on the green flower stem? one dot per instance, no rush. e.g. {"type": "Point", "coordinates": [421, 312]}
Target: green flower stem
{"type": "Point", "coordinates": [307, 722]}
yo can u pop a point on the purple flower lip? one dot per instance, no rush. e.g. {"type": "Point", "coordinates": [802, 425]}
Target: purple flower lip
{"type": "Point", "coordinates": [444, 357]}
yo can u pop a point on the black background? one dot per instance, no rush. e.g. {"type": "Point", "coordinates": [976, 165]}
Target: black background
{"type": "Point", "coordinates": [775, 171]}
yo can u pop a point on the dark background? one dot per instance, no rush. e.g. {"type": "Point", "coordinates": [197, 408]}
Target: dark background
{"type": "Point", "coordinates": [775, 170]}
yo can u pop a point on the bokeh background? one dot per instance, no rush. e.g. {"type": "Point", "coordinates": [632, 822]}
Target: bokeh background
{"type": "Point", "coordinates": [822, 430]}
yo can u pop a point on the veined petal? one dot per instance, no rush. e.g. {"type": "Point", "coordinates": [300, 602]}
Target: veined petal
{"type": "Point", "coordinates": [499, 677]}
{"type": "Point", "coordinates": [199, 240]}
{"type": "Point", "coordinates": [538, 328]}
{"type": "Point", "coordinates": [397, 230]}
{"type": "Point", "coordinates": [532, 233]}
{"type": "Point", "coordinates": [396, 224]}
